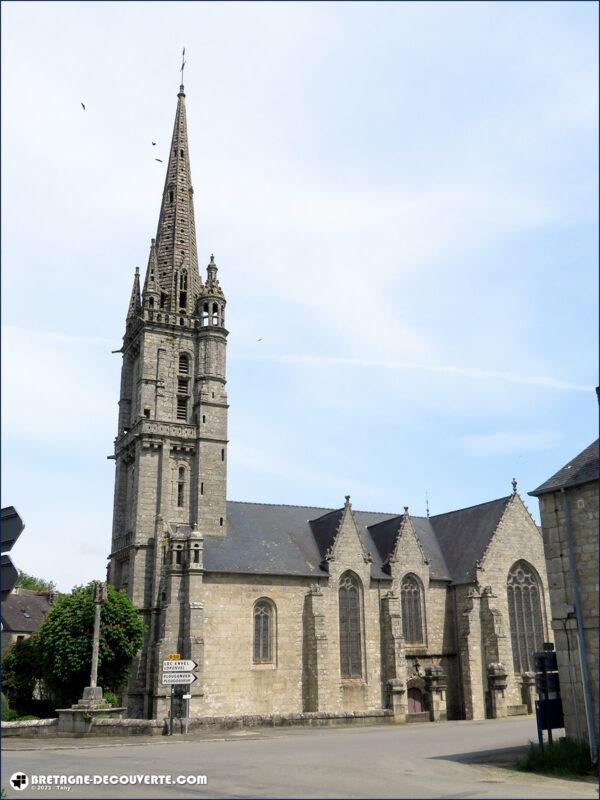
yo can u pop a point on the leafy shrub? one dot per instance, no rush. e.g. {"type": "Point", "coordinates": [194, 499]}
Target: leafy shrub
{"type": "Point", "coordinates": [111, 698]}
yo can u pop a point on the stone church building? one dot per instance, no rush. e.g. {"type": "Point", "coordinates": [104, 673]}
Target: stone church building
{"type": "Point", "coordinates": [291, 609]}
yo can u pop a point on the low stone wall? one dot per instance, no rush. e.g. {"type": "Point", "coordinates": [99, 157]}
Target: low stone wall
{"type": "Point", "coordinates": [127, 727]}
{"type": "Point", "coordinates": [30, 728]}
{"type": "Point", "coordinates": [309, 718]}
{"type": "Point", "coordinates": [154, 727]}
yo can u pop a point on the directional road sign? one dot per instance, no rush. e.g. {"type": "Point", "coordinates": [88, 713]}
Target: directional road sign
{"type": "Point", "coordinates": [170, 678]}
{"type": "Point", "coordinates": [9, 576]}
{"type": "Point", "coordinates": [181, 665]}
{"type": "Point", "coordinates": [11, 528]}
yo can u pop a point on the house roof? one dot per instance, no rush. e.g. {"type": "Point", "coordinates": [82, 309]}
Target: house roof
{"type": "Point", "coordinates": [24, 611]}
{"type": "Point", "coordinates": [582, 469]}
{"type": "Point", "coordinates": [464, 535]}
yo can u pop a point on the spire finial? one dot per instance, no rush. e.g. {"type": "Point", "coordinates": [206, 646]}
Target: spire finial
{"type": "Point", "coordinates": [406, 509]}
{"type": "Point", "coordinates": [347, 499]}
{"type": "Point", "coordinates": [427, 504]}
{"type": "Point", "coordinates": [182, 68]}
{"type": "Point", "coordinates": [514, 485]}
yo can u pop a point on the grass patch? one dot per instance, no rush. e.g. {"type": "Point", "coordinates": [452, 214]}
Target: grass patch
{"type": "Point", "coordinates": [568, 758]}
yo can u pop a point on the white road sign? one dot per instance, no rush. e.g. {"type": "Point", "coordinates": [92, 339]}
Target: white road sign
{"type": "Point", "coordinates": [170, 678]}
{"type": "Point", "coordinates": [181, 665]}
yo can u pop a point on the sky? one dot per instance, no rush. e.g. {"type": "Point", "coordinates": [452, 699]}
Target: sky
{"type": "Point", "coordinates": [402, 199]}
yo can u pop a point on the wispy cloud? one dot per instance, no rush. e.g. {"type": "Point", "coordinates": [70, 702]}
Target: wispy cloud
{"type": "Point", "coordinates": [501, 443]}
{"type": "Point", "coordinates": [547, 382]}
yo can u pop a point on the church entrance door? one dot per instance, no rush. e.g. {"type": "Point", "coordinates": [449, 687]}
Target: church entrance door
{"type": "Point", "coordinates": [415, 700]}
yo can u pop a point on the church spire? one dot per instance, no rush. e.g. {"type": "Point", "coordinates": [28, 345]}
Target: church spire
{"type": "Point", "coordinates": [176, 254]}
{"type": "Point", "coordinates": [135, 304]}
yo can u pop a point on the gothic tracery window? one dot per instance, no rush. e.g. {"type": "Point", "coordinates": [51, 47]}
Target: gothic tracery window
{"type": "Point", "coordinates": [263, 632]}
{"type": "Point", "coordinates": [350, 628]}
{"type": "Point", "coordinates": [525, 615]}
{"type": "Point", "coordinates": [411, 596]}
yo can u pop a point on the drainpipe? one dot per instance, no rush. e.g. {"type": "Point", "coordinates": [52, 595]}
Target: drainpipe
{"type": "Point", "coordinates": [587, 700]}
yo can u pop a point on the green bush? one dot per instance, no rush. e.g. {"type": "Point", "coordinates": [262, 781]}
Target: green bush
{"type": "Point", "coordinates": [20, 673]}
{"type": "Point", "coordinates": [8, 715]}
{"type": "Point", "coordinates": [565, 757]}
{"type": "Point", "coordinates": [111, 698]}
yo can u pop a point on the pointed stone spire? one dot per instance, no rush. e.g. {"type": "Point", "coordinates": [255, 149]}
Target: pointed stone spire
{"type": "Point", "coordinates": [151, 284]}
{"type": "Point", "coordinates": [176, 254]}
{"type": "Point", "coordinates": [135, 303]}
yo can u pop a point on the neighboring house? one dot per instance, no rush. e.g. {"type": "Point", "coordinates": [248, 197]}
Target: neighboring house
{"type": "Point", "coordinates": [22, 613]}
{"type": "Point", "coordinates": [289, 609]}
{"type": "Point", "coordinates": [569, 512]}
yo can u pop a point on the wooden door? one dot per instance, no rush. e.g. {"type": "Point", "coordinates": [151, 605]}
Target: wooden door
{"type": "Point", "coordinates": [415, 700]}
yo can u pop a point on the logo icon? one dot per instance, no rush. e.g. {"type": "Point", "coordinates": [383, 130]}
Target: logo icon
{"type": "Point", "coordinates": [19, 781]}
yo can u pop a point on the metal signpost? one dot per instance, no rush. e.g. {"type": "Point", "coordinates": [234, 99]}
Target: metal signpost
{"type": "Point", "coordinates": [177, 671]}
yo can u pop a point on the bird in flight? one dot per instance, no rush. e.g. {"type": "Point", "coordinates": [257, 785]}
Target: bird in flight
{"type": "Point", "coordinates": [159, 159]}
{"type": "Point", "coordinates": [153, 143]}
{"type": "Point", "coordinates": [82, 105]}
{"type": "Point", "coordinates": [259, 340]}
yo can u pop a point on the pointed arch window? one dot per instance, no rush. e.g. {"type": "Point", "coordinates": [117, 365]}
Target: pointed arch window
{"type": "Point", "coordinates": [525, 615]}
{"type": "Point", "coordinates": [411, 595]}
{"type": "Point", "coordinates": [264, 633]}
{"type": "Point", "coordinates": [350, 627]}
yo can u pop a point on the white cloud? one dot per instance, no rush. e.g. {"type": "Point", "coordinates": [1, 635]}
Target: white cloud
{"type": "Point", "coordinates": [500, 443]}
{"type": "Point", "coordinates": [547, 382]}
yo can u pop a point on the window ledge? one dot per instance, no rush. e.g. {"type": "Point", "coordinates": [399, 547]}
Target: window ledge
{"type": "Point", "coordinates": [260, 667]}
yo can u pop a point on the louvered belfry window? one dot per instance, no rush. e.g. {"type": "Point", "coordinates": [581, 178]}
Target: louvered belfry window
{"type": "Point", "coordinates": [412, 610]}
{"type": "Point", "coordinates": [350, 638]}
{"type": "Point", "coordinates": [525, 615]}
{"type": "Point", "coordinates": [263, 632]}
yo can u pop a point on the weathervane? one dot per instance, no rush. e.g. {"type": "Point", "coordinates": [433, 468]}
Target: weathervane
{"type": "Point", "coordinates": [182, 64]}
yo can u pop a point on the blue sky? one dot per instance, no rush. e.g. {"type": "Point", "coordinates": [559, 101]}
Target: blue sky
{"type": "Point", "coordinates": [402, 199]}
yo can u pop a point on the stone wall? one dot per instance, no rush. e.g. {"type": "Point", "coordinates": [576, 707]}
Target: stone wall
{"type": "Point", "coordinates": [583, 505]}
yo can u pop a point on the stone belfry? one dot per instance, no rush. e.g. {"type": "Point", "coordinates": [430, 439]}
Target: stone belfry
{"type": "Point", "coordinates": [171, 444]}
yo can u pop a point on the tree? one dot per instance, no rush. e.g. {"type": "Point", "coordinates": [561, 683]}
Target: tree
{"type": "Point", "coordinates": [26, 581]}
{"type": "Point", "coordinates": [64, 643]}
{"type": "Point", "coordinates": [22, 680]}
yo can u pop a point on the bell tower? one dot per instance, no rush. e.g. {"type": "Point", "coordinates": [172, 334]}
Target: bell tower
{"type": "Point", "coordinates": [171, 445]}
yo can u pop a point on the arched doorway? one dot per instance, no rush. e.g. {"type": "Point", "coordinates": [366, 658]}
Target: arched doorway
{"type": "Point", "coordinates": [415, 700]}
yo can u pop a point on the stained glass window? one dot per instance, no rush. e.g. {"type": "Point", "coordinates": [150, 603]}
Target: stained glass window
{"type": "Point", "coordinates": [263, 632]}
{"type": "Point", "coordinates": [525, 615]}
{"type": "Point", "coordinates": [350, 643]}
{"type": "Point", "coordinates": [412, 609]}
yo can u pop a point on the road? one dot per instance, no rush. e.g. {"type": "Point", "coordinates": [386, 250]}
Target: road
{"type": "Point", "coordinates": [417, 760]}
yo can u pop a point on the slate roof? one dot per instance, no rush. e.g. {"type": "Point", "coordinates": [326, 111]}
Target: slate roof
{"type": "Point", "coordinates": [269, 539]}
{"type": "Point", "coordinates": [24, 612]}
{"type": "Point", "coordinates": [582, 469]}
{"type": "Point", "coordinates": [464, 535]}
{"type": "Point", "coordinates": [266, 539]}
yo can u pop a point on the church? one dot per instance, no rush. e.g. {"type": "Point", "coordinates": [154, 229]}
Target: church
{"type": "Point", "coordinates": [293, 609]}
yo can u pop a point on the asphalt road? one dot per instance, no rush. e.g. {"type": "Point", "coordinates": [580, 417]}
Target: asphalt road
{"type": "Point", "coordinates": [419, 760]}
